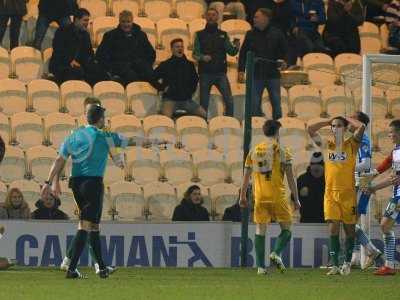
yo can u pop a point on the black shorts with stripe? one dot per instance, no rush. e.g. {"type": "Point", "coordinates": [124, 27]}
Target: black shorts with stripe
{"type": "Point", "coordinates": [88, 194]}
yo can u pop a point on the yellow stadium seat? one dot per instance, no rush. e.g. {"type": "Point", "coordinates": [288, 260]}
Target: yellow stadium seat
{"type": "Point", "coordinates": [177, 166]}
{"type": "Point", "coordinates": [26, 63]}
{"type": "Point", "coordinates": [3, 190]}
{"type": "Point", "coordinates": [236, 28]}
{"type": "Point", "coordinates": [160, 199]}
{"type": "Point", "coordinates": [43, 97]}
{"type": "Point", "coordinates": [40, 160]}
{"type": "Point", "coordinates": [169, 29]}
{"type": "Point", "coordinates": [142, 98]}
{"type": "Point", "coordinates": [193, 132]}
{"type": "Point", "coordinates": [320, 69]}
{"type": "Point", "coordinates": [157, 9]}
{"type": "Point", "coordinates": [28, 129]}
{"type": "Point", "coordinates": [379, 102]}
{"type": "Point", "coordinates": [73, 94]}
{"type": "Point", "coordinates": [143, 165]}
{"type": "Point", "coordinates": [293, 134]}
{"type": "Point", "coordinates": [14, 165]}
{"type": "Point", "coordinates": [305, 101]}
{"type": "Point", "coordinates": [234, 162]}
{"type": "Point", "coordinates": [393, 99]}
{"type": "Point", "coordinates": [188, 10]}
{"type": "Point", "coordinates": [112, 96]}
{"type": "Point", "coordinates": [133, 6]}
{"type": "Point", "coordinates": [223, 195]}
{"type": "Point", "coordinates": [149, 28]}
{"type": "Point", "coordinates": [58, 126]}
{"type": "Point", "coordinates": [128, 200]}
{"type": "Point", "coordinates": [5, 128]}
{"type": "Point", "coordinates": [226, 133]}
{"type": "Point", "coordinates": [13, 96]}
{"type": "Point", "coordinates": [128, 125]}
{"type": "Point", "coordinates": [4, 63]}
{"type": "Point", "coordinates": [335, 101]}
{"type": "Point", "coordinates": [160, 127]}
{"type": "Point", "coordinates": [100, 26]}
{"type": "Point", "coordinates": [97, 8]}
{"type": "Point", "coordinates": [210, 166]}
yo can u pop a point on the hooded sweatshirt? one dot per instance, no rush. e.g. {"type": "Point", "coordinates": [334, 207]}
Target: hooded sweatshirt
{"type": "Point", "coordinates": [187, 211]}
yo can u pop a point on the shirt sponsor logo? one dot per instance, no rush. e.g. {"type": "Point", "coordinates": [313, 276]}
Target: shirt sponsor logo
{"type": "Point", "coordinates": [335, 156]}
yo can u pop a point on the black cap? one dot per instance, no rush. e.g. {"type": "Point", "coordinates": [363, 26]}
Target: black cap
{"type": "Point", "coordinates": [94, 113]}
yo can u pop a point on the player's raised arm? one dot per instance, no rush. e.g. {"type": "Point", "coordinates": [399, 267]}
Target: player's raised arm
{"type": "Point", "coordinates": [360, 128]}
{"type": "Point", "coordinates": [313, 131]}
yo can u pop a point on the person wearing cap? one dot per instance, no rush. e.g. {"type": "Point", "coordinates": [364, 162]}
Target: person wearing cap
{"type": "Point", "coordinates": [88, 146]}
{"type": "Point", "coordinates": [311, 186]}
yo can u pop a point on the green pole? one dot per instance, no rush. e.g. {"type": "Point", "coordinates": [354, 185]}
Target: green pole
{"type": "Point", "coordinates": [246, 148]}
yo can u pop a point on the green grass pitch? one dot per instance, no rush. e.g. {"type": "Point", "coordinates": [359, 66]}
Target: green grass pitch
{"type": "Point", "coordinates": [166, 283]}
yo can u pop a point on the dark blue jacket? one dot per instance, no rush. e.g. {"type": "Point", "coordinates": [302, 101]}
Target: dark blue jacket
{"type": "Point", "coordinates": [300, 10]}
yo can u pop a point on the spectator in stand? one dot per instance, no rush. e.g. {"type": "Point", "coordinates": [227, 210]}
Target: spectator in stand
{"type": "Point", "coordinates": [191, 207]}
{"type": "Point", "coordinates": [309, 14]}
{"type": "Point", "coordinates": [373, 8]}
{"type": "Point", "coordinates": [311, 187]}
{"type": "Point", "coordinates": [178, 83]}
{"type": "Point", "coordinates": [15, 207]}
{"type": "Point", "coordinates": [233, 213]}
{"type": "Point", "coordinates": [52, 11]}
{"type": "Point", "coordinates": [12, 10]}
{"type": "Point", "coordinates": [392, 19]}
{"type": "Point", "coordinates": [48, 209]}
{"type": "Point", "coordinates": [341, 30]}
{"type": "Point", "coordinates": [126, 53]}
{"type": "Point", "coordinates": [73, 55]}
{"type": "Point", "coordinates": [211, 45]}
{"type": "Point", "coordinates": [233, 7]}
{"type": "Point", "coordinates": [282, 16]}
{"type": "Point", "coordinates": [269, 44]}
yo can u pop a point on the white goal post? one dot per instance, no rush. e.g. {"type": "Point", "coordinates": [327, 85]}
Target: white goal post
{"type": "Point", "coordinates": [367, 80]}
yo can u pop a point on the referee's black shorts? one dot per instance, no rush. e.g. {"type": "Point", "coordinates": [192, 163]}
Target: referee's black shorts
{"type": "Point", "coordinates": [88, 194]}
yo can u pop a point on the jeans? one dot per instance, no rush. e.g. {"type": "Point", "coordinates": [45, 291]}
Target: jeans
{"type": "Point", "coordinates": [15, 27]}
{"type": "Point", "coordinates": [273, 86]}
{"type": "Point", "coordinates": [42, 24]}
{"type": "Point", "coordinates": [222, 84]}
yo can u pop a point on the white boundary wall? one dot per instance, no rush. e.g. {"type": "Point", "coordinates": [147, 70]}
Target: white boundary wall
{"type": "Point", "coordinates": [41, 243]}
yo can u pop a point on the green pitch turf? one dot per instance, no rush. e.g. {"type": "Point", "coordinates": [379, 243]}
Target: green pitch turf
{"type": "Point", "coordinates": [152, 283]}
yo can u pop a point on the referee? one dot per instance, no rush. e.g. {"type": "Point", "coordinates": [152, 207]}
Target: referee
{"type": "Point", "coordinates": [88, 146]}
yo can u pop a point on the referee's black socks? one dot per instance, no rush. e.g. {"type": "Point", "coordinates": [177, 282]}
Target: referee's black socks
{"type": "Point", "coordinates": [94, 241]}
{"type": "Point", "coordinates": [77, 248]}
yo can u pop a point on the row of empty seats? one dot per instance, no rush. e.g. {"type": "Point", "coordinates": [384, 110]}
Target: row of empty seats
{"type": "Point", "coordinates": [141, 99]}
{"type": "Point", "coordinates": [131, 201]}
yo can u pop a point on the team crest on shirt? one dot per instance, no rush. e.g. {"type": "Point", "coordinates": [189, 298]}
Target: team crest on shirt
{"type": "Point", "coordinates": [337, 156]}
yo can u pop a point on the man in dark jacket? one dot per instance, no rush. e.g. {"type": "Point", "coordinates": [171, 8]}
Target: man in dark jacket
{"type": "Point", "coordinates": [341, 31]}
{"type": "Point", "coordinates": [126, 51]}
{"type": "Point", "coordinates": [52, 11]}
{"type": "Point", "coordinates": [309, 15]}
{"type": "Point", "coordinates": [211, 46]}
{"type": "Point", "coordinates": [47, 209]}
{"type": "Point", "coordinates": [73, 56]}
{"type": "Point", "coordinates": [233, 213]}
{"type": "Point", "coordinates": [12, 10]}
{"type": "Point", "coordinates": [311, 187]}
{"type": "Point", "coordinates": [191, 208]}
{"type": "Point", "coordinates": [269, 44]}
{"type": "Point", "coordinates": [179, 83]}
